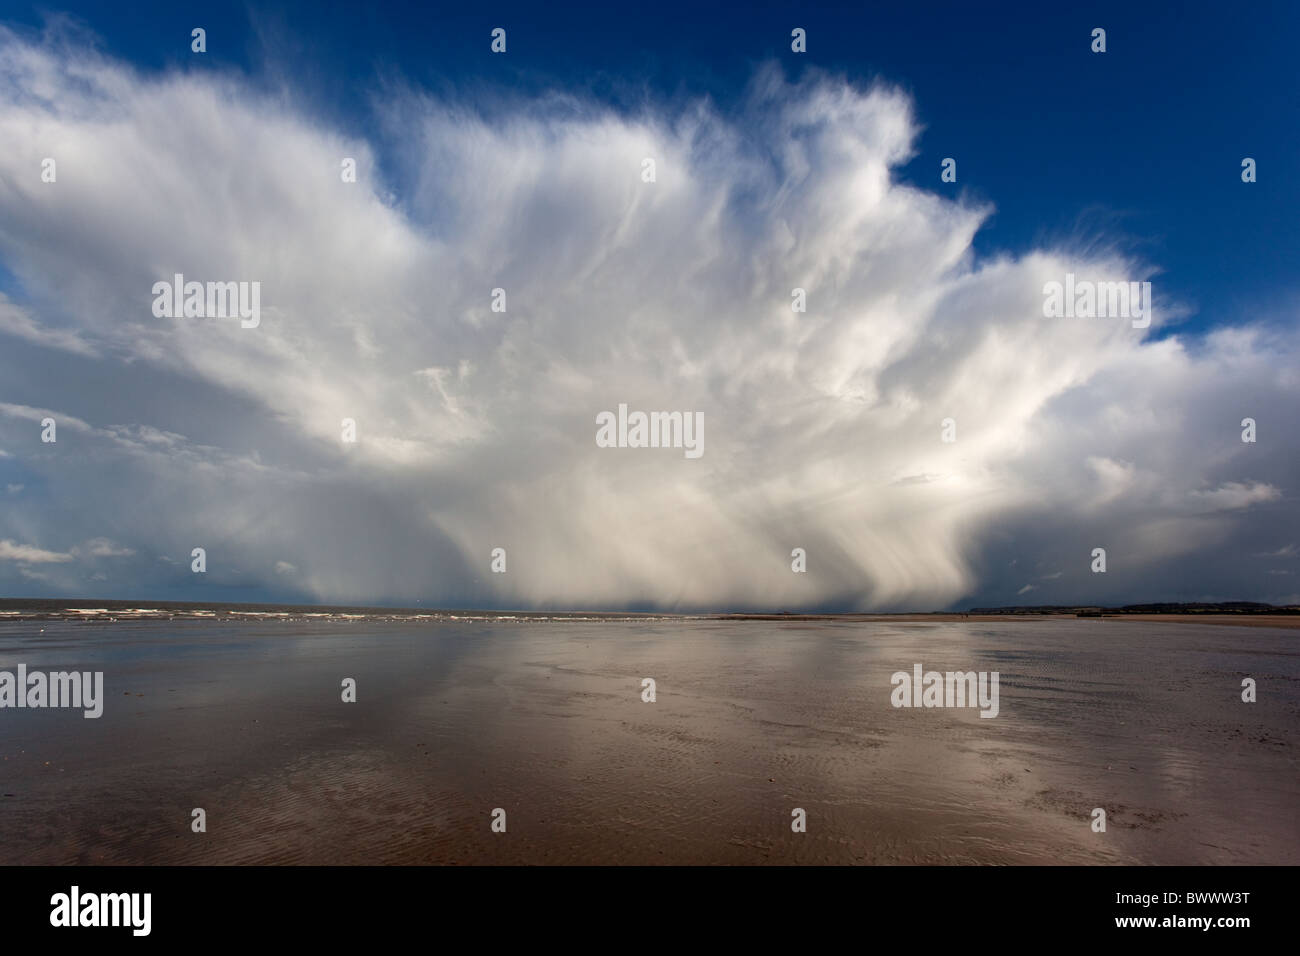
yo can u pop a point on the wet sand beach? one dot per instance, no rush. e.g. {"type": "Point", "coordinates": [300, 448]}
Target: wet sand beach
{"type": "Point", "coordinates": [752, 719]}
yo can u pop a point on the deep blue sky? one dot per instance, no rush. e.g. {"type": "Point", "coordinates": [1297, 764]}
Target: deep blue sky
{"type": "Point", "coordinates": [1141, 145]}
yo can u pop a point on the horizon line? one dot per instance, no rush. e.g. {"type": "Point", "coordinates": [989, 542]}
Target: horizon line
{"type": "Point", "coordinates": [1147, 607]}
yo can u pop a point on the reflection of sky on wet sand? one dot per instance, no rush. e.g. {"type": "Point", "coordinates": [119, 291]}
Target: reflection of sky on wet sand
{"type": "Point", "coordinates": [752, 720]}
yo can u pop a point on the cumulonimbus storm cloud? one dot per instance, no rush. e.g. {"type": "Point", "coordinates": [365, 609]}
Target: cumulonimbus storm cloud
{"type": "Point", "coordinates": [476, 428]}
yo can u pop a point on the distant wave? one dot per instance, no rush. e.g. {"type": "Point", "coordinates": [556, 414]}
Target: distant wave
{"type": "Point", "coordinates": [111, 611]}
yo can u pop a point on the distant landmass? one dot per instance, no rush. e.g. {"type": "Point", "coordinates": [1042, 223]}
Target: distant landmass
{"type": "Point", "coordinates": [1223, 607]}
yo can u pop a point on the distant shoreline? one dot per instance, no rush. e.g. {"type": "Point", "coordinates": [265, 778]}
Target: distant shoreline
{"type": "Point", "coordinates": [23, 609]}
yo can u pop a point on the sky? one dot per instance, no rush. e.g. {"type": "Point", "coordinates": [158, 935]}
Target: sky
{"type": "Point", "coordinates": [525, 171]}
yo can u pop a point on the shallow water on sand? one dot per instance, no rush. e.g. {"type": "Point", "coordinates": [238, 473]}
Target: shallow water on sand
{"type": "Point", "coordinates": [752, 719]}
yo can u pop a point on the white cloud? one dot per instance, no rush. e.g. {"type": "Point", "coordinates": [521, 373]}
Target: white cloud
{"type": "Point", "coordinates": [476, 429]}
{"type": "Point", "coordinates": [36, 415]}
{"type": "Point", "coordinates": [19, 323]}
{"type": "Point", "coordinates": [1286, 551]}
{"type": "Point", "coordinates": [1235, 494]}
{"type": "Point", "coordinates": [101, 548]}
{"type": "Point", "coordinates": [13, 551]}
